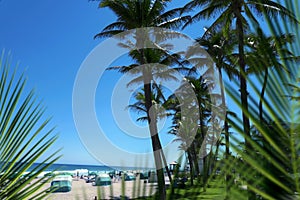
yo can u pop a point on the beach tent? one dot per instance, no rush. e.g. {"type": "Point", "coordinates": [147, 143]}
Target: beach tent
{"type": "Point", "coordinates": [102, 179]}
{"type": "Point", "coordinates": [61, 183]}
{"type": "Point", "coordinates": [143, 175]}
{"type": "Point", "coordinates": [129, 177]}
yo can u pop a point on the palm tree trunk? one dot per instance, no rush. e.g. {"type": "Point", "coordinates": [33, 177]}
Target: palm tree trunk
{"type": "Point", "coordinates": [227, 148]}
{"type": "Point", "coordinates": [243, 87]}
{"type": "Point", "coordinates": [216, 153]}
{"type": "Point", "coordinates": [195, 158]}
{"type": "Point", "coordinates": [151, 117]}
{"type": "Point", "coordinates": [226, 127]}
{"type": "Point", "coordinates": [204, 171]}
{"type": "Point", "coordinates": [243, 82]}
{"type": "Point", "coordinates": [227, 154]}
{"type": "Point", "coordinates": [191, 166]}
{"type": "Point", "coordinates": [156, 145]}
{"type": "Point", "coordinates": [166, 166]}
{"type": "Point", "coordinates": [262, 95]}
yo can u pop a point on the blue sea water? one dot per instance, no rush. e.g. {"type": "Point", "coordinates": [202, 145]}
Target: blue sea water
{"type": "Point", "coordinates": [95, 168]}
{"type": "Point", "coordinates": [71, 167]}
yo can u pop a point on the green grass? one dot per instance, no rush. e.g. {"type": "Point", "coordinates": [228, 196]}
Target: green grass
{"type": "Point", "coordinates": [215, 190]}
{"type": "Point", "coordinates": [198, 193]}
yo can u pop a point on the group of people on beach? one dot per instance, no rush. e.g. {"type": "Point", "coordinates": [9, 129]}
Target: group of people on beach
{"type": "Point", "coordinates": [116, 177]}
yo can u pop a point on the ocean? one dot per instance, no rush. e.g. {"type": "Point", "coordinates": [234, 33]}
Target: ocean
{"type": "Point", "coordinates": [71, 167]}
{"type": "Point", "coordinates": [85, 169]}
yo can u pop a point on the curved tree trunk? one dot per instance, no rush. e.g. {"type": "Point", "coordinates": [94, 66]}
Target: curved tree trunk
{"type": "Point", "coordinates": [243, 88]}
{"type": "Point", "coordinates": [152, 122]}
{"type": "Point", "coordinates": [262, 95]}
{"type": "Point", "coordinates": [226, 129]}
{"type": "Point", "coordinates": [191, 166]}
{"type": "Point", "coordinates": [242, 76]}
{"type": "Point", "coordinates": [195, 159]}
{"type": "Point", "coordinates": [227, 154]}
{"type": "Point", "coordinates": [204, 159]}
{"type": "Point", "coordinates": [156, 146]}
{"type": "Point", "coordinates": [166, 165]}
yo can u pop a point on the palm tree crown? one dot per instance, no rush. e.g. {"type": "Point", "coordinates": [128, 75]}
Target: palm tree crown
{"type": "Point", "coordinates": [132, 14]}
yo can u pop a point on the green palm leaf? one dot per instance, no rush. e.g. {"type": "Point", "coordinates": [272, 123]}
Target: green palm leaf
{"type": "Point", "coordinates": [23, 139]}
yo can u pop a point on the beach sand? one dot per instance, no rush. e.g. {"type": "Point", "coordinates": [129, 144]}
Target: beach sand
{"type": "Point", "coordinates": [86, 191]}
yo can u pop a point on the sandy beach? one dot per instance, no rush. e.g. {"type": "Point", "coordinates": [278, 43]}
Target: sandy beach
{"type": "Point", "coordinates": [86, 191]}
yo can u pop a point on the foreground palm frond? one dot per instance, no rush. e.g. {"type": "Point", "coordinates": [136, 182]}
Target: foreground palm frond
{"type": "Point", "coordinates": [270, 167]}
{"type": "Point", "coordinates": [23, 138]}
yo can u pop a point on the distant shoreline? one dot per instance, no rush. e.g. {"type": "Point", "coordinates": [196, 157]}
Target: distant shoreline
{"type": "Point", "coordinates": [83, 170]}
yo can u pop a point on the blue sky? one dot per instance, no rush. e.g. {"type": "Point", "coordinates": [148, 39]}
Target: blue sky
{"type": "Point", "coordinates": [50, 39]}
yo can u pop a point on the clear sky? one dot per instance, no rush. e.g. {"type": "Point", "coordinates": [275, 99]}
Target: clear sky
{"type": "Point", "coordinates": [51, 39]}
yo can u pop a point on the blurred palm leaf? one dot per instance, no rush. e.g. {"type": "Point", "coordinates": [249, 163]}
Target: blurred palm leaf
{"type": "Point", "coordinates": [275, 153]}
{"type": "Point", "coordinates": [23, 138]}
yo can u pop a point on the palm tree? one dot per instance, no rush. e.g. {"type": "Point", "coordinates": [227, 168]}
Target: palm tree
{"type": "Point", "coordinates": [220, 49]}
{"type": "Point", "coordinates": [132, 14]}
{"type": "Point", "coordinates": [201, 88]}
{"type": "Point", "coordinates": [265, 53]}
{"type": "Point", "coordinates": [23, 139]}
{"type": "Point", "coordinates": [274, 165]}
{"type": "Point", "coordinates": [158, 100]}
{"type": "Point", "coordinates": [194, 144]}
{"type": "Point", "coordinates": [241, 12]}
{"type": "Point", "coordinates": [183, 130]}
{"type": "Point", "coordinates": [186, 144]}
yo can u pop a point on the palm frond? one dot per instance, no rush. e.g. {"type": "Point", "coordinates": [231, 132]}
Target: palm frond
{"type": "Point", "coordinates": [273, 9]}
{"type": "Point", "coordinates": [22, 139]}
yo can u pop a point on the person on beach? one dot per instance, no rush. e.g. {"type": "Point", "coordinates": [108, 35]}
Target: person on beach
{"type": "Point", "coordinates": [119, 175]}
{"type": "Point", "coordinates": [115, 178]}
